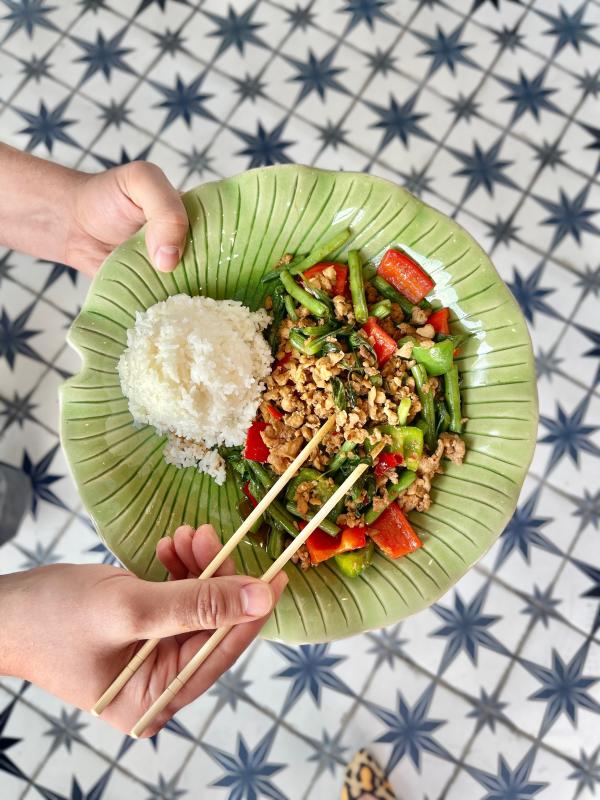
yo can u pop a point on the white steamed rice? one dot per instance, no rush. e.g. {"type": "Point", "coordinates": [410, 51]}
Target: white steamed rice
{"type": "Point", "coordinates": [193, 368]}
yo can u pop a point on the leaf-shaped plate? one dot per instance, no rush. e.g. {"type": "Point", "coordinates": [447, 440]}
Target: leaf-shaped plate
{"type": "Point", "coordinates": [239, 227]}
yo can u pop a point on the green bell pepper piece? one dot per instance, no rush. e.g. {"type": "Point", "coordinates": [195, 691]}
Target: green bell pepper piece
{"type": "Point", "coordinates": [437, 360]}
{"type": "Point", "coordinates": [396, 434]}
{"type": "Point", "coordinates": [355, 562]}
{"type": "Point", "coordinates": [413, 446]}
{"type": "Point", "coordinates": [403, 410]}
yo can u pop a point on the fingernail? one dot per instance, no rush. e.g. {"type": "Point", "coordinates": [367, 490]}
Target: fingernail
{"type": "Point", "coordinates": [256, 600]}
{"type": "Point", "coordinates": [167, 257]}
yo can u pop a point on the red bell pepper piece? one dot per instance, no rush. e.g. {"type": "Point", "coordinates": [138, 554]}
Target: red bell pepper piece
{"type": "Point", "coordinates": [341, 274]}
{"type": "Point", "coordinates": [249, 495]}
{"type": "Point", "coordinates": [274, 412]}
{"type": "Point", "coordinates": [393, 533]}
{"type": "Point", "coordinates": [256, 449]}
{"type": "Point", "coordinates": [383, 344]}
{"type": "Point", "coordinates": [439, 320]}
{"type": "Point", "coordinates": [283, 360]}
{"type": "Point", "coordinates": [387, 461]}
{"type": "Point", "coordinates": [405, 275]}
{"type": "Point", "coordinates": [322, 546]}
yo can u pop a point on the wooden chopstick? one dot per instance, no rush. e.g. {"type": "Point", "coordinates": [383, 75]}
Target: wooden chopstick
{"type": "Point", "coordinates": [142, 654]}
{"type": "Point", "coordinates": [207, 648]}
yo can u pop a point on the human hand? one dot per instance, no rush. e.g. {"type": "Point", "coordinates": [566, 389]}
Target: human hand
{"type": "Point", "coordinates": [60, 214]}
{"type": "Point", "coordinates": [111, 206]}
{"type": "Point", "coordinates": [71, 629]}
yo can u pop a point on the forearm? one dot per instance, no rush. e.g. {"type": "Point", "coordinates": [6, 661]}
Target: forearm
{"type": "Point", "coordinates": [36, 204]}
{"type": "Point", "coordinates": [14, 601]}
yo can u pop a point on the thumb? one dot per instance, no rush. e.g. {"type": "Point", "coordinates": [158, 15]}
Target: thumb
{"type": "Point", "coordinates": [167, 222]}
{"type": "Point", "coordinates": [166, 609]}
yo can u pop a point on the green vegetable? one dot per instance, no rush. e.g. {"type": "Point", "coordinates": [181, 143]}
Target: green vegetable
{"type": "Point", "coordinates": [273, 274]}
{"type": "Point", "coordinates": [298, 341]}
{"type": "Point", "coordinates": [437, 359]}
{"type": "Point", "coordinates": [376, 380]}
{"type": "Point", "coordinates": [350, 393]}
{"type": "Point", "coordinates": [395, 432]}
{"type": "Point", "coordinates": [260, 482]}
{"type": "Point", "coordinates": [394, 491]}
{"type": "Point", "coordinates": [403, 410]}
{"type": "Point", "coordinates": [290, 308]}
{"type": "Point", "coordinates": [319, 330]}
{"type": "Point", "coordinates": [419, 373]}
{"type": "Point", "coordinates": [443, 417]}
{"type": "Point", "coordinates": [278, 297]}
{"type": "Point", "coordinates": [339, 394]}
{"type": "Point", "coordinates": [303, 475]}
{"type": "Point", "coordinates": [321, 253]}
{"type": "Point", "coordinates": [382, 309]}
{"type": "Point", "coordinates": [412, 438]}
{"type": "Point", "coordinates": [322, 296]}
{"type": "Point", "coordinates": [356, 340]}
{"type": "Point", "coordinates": [452, 394]}
{"type": "Point", "coordinates": [275, 542]}
{"type": "Point", "coordinates": [355, 562]}
{"type": "Point", "coordinates": [316, 307]}
{"type": "Point", "coordinates": [369, 272]}
{"type": "Point", "coordinates": [341, 455]}
{"type": "Point", "coordinates": [387, 290]}
{"type": "Point", "coordinates": [326, 525]}
{"type": "Point", "coordinates": [357, 289]}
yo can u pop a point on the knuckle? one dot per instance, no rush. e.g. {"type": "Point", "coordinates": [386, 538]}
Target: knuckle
{"type": "Point", "coordinates": [211, 605]}
{"type": "Point", "coordinates": [140, 169]}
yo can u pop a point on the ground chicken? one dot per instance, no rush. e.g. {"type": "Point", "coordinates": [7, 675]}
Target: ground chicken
{"type": "Point", "coordinates": [419, 316]}
{"type": "Point", "coordinates": [302, 557]}
{"type": "Point", "coordinates": [454, 447]}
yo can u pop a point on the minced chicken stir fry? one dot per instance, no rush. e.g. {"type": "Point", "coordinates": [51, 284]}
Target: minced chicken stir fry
{"type": "Point", "coordinates": [362, 343]}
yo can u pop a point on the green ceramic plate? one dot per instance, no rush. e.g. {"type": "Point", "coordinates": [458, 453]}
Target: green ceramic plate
{"type": "Point", "coordinates": [240, 227]}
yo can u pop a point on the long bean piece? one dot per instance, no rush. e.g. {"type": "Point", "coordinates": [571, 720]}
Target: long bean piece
{"type": "Point", "coordinates": [419, 373]}
{"type": "Point", "coordinates": [320, 253]}
{"type": "Point", "coordinates": [273, 274]}
{"type": "Point", "coordinates": [452, 394]}
{"type": "Point", "coordinates": [357, 288]}
{"type": "Point", "coordinates": [316, 307]}
{"type": "Point", "coordinates": [326, 525]}
{"type": "Point", "coordinates": [387, 290]}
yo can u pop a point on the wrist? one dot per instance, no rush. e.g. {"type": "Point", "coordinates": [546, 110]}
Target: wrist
{"type": "Point", "coordinates": [37, 204]}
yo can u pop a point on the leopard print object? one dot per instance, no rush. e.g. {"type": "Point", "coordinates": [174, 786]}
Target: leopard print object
{"type": "Point", "coordinates": [365, 780]}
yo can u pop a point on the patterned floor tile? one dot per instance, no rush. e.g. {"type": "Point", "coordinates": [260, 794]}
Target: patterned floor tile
{"type": "Point", "coordinates": [488, 109]}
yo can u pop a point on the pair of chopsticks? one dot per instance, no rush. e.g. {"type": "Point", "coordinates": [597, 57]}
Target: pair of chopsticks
{"type": "Point", "coordinates": [220, 633]}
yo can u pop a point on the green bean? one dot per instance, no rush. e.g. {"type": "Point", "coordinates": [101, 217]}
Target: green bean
{"type": "Point", "coordinates": [275, 543]}
{"type": "Point", "coordinates": [326, 525]}
{"type": "Point", "coordinates": [309, 346]}
{"type": "Point", "coordinates": [321, 253]}
{"type": "Point", "coordinates": [315, 306]}
{"type": "Point", "coordinates": [298, 341]}
{"type": "Point", "coordinates": [382, 309]}
{"type": "Point", "coordinates": [339, 393]}
{"type": "Point", "coordinates": [387, 290]}
{"type": "Point", "coordinates": [276, 512]}
{"type": "Point", "coordinates": [260, 474]}
{"type": "Point", "coordinates": [291, 308]}
{"type": "Point", "coordinates": [443, 417]}
{"type": "Point", "coordinates": [452, 395]}
{"type": "Point", "coordinates": [278, 312]}
{"type": "Point", "coordinates": [341, 455]}
{"type": "Point", "coordinates": [318, 330]}
{"type": "Point", "coordinates": [419, 373]}
{"type": "Point", "coordinates": [393, 492]}
{"type": "Point", "coordinates": [376, 380]}
{"type": "Point", "coordinates": [357, 289]}
{"type": "Point", "coordinates": [273, 274]}
{"type": "Point", "coordinates": [369, 272]}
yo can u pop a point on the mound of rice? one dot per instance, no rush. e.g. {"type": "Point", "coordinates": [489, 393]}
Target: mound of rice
{"type": "Point", "coordinates": [193, 368]}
